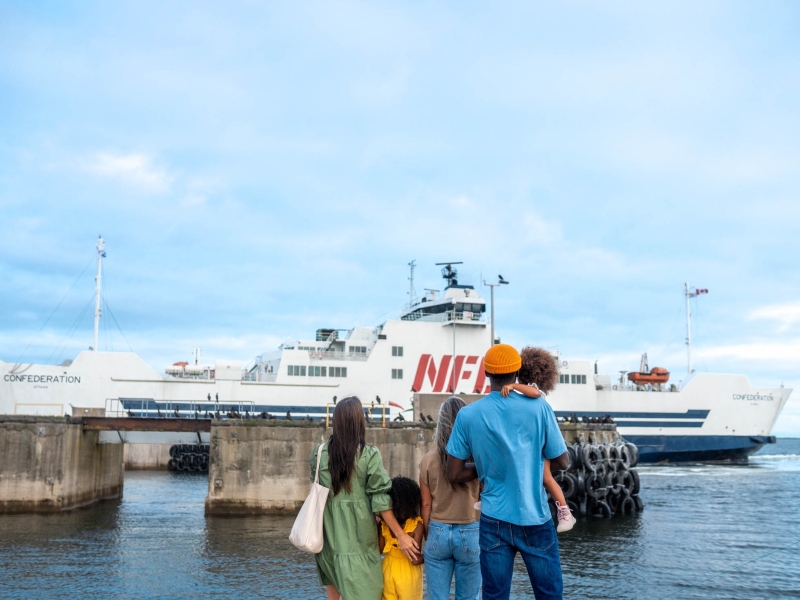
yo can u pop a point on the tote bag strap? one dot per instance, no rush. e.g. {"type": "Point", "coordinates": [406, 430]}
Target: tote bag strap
{"type": "Point", "coordinates": [319, 457]}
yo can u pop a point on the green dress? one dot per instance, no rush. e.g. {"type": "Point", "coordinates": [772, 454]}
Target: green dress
{"type": "Point", "coordinates": [350, 557]}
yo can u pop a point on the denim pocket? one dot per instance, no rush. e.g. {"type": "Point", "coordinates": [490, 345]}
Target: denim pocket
{"type": "Point", "coordinates": [540, 537]}
{"type": "Point", "coordinates": [434, 535]}
{"type": "Point", "coordinates": [470, 539]}
{"type": "Point", "coordinates": [489, 534]}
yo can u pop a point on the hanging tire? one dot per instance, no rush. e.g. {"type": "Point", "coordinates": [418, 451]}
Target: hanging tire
{"type": "Point", "coordinates": [599, 510]}
{"type": "Point", "coordinates": [639, 503]}
{"type": "Point", "coordinates": [596, 486]}
{"type": "Point", "coordinates": [634, 454]}
{"type": "Point", "coordinates": [172, 465]}
{"type": "Point", "coordinates": [625, 457]}
{"type": "Point", "coordinates": [613, 502]}
{"type": "Point", "coordinates": [173, 451]}
{"type": "Point", "coordinates": [592, 457]}
{"type": "Point", "coordinates": [572, 456]}
{"type": "Point", "coordinates": [613, 454]}
{"type": "Point", "coordinates": [636, 482]}
{"type": "Point", "coordinates": [627, 506]}
{"type": "Point", "coordinates": [624, 479]}
{"type": "Point", "coordinates": [568, 484]}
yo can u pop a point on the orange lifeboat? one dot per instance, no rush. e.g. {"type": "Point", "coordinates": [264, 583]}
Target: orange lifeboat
{"type": "Point", "coordinates": [656, 375]}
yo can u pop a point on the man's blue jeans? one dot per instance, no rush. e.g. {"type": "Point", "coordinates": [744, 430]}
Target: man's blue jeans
{"type": "Point", "coordinates": [449, 549]}
{"type": "Point", "coordinates": [500, 541]}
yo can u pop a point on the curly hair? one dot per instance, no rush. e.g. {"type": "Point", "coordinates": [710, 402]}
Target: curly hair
{"type": "Point", "coordinates": [406, 499]}
{"type": "Point", "coordinates": [539, 367]}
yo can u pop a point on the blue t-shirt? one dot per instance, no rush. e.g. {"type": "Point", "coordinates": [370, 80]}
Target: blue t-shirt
{"type": "Point", "coordinates": [509, 438]}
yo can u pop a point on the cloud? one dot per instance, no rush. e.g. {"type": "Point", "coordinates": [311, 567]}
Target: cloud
{"type": "Point", "coordinates": [134, 169]}
{"type": "Point", "coordinates": [786, 314]}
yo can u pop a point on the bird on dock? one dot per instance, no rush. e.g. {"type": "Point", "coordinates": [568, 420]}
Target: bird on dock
{"type": "Point", "coordinates": [216, 396]}
{"type": "Point", "coordinates": [430, 419]}
{"type": "Point", "coordinates": [399, 417]}
{"type": "Point", "coordinates": [130, 413]}
{"type": "Point", "coordinates": [207, 415]}
{"type": "Point", "coordinates": [308, 418]}
{"type": "Point", "coordinates": [288, 415]}
{"type": "Point", "coordinates": [209, 397]}
{"type": "Point", "coordinates": [229, 414]}
{"type": "Point", "coordinates": [585, 419]}
{"type": "Point", "coordinates": [196, 414]}
{"type": "Point", "coordinates": [158, 411]}
{"type": "Point", "coordinates": [217, 415]}
{"type": "Point", "coordinates": [263, 415]}
{"type": "Point", "coordinates": [378, 399]}
{"type": "Point", "coordinates": [271, 417]}
{"type": "Point", "coordinates": [421, 417]}
{"type": "Point", "coordinates": [334, 400]}
{"type": "Point", "coordinates": [177, 414]}
{"type": "Point", "coordinates": [246, 414]}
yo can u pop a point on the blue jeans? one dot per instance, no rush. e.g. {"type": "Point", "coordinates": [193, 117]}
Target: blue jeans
{"type": "Point", "coordinates": [500, 541]}
{"type": "Point", "coordinates": [452, 548]}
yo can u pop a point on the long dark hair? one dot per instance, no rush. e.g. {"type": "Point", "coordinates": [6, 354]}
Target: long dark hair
{"type": "Point", "coordinates": [348, 441]}
{"type": "Point", "coordinates": [406, 499]}
{"type": "Point", "coordinates": [444, 427]}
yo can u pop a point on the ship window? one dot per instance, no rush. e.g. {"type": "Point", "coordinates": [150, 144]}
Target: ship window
{"type": "Point", "coordinates": [358, 349]}
{"type": "Point", "coordinates": [344, 371]}
{"type": "Point", "coordinates": [572, 379]}
{"type": "Point", "coordinates": [323, 371]}
{"type": "Point", "coordinates": [563, 378]}
{"type": "Point", "coordinates": [302, 371]}
{"type": "Point", "coordinates": [583, 379]}
{"type": "Point", "coordinates": [397, 351]}
{"type": "Point", "coordinates": [397, 373]}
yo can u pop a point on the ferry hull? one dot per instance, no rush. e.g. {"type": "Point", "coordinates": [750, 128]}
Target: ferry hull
{"type": "Point", "coordinates": [697, 448]}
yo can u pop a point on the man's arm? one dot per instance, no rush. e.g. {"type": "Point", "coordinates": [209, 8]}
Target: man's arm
{"type": "Point", "coordinates": [460, 471]}
{"type": "Point", "coordinates": [560, 463]}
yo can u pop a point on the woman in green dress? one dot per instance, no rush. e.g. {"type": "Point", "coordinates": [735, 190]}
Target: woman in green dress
{"type": "Point", "coordinates": [349, 565]}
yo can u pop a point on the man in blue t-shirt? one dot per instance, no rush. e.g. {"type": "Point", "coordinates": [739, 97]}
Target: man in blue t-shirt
{"type": "Point", "coordinates": [508, 440]}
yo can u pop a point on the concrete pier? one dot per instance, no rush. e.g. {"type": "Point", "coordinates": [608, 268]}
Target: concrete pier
{"type": "Point", "coordinates": [146, 456]}
{"type": "Point", "coordinates": [261, 467]}
{"type": "Point", "coordinates": [50, 464]}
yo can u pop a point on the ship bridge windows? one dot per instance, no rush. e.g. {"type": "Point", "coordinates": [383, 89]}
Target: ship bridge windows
{"type": "Point", "coordinates": [397, 373]}
{"type": "Point", "coordinates": [397, 351]}
{"type": "Point", "coordinates": [572, 378]}
{"type": "Point", "coordinates": [470, 306]}
{"type": "Point", "coordinates": [297, 370]}
{"type": "Point", "coordinates": [358, 349]}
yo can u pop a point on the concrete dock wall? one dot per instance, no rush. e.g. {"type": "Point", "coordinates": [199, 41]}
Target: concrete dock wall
{"type": "Point", "coordinates": [50, 464]}
{"type": "Point", "coordinates": [261, 467]}
{"type": "Point", "coordinates": [146, 456]}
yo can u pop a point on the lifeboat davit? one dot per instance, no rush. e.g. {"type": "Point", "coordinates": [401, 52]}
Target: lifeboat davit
{"type": "Point", "coordinates": [656, 375]}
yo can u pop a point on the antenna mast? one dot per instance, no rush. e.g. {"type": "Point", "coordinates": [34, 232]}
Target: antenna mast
{"type": "Point", "coordinates": [689, 295]}
{"type": "Point", "coordinates": [412, 265]}
{"type": "Point", "coordinates": [101, 252]}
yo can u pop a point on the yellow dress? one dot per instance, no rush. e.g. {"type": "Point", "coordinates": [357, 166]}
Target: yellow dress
{"type": "Point", "coordinates": [401, 579]}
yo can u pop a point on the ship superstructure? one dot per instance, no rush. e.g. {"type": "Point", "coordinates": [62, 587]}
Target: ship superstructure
{"type": "Point", "coordinates": [435, 345]}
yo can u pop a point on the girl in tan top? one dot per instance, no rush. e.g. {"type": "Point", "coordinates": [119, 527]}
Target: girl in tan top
{"type": "Point", "coordinates": [450, 519]}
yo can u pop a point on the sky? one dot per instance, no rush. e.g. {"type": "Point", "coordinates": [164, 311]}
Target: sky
{"type": "Point", "coordinates": [259, 170]}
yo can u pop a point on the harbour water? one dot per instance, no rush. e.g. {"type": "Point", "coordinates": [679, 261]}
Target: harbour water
{"type": "Point", "coordinates": [701, 526]}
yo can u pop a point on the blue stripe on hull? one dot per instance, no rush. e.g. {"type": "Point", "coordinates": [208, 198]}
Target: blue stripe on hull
{"type": "Point", "coordinates": [688, 448]}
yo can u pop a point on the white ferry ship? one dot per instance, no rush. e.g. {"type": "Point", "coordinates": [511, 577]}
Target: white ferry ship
{"type": "Point", "coordinates": [435, 345]}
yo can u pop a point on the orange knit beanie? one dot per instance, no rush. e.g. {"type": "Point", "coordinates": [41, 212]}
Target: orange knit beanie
{"type": "Point", "coordinates": [502, 359]}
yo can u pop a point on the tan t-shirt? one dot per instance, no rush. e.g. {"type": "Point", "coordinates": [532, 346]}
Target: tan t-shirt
{"type": "Point", "coordinates": [451, 504]}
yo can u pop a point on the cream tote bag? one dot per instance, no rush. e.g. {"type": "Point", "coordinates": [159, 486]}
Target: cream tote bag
{"type": "Point", "coordinates": [307, 529]}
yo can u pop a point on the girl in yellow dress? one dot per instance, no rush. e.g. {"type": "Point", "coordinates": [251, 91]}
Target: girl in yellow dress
{"type": "Point", "coordinates": [402, 578]}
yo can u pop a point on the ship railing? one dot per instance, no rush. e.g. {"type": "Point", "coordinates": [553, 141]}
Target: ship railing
{"type": "Point", "coordinates": [187, 409]}
{"type": "Point", "coordinates": [446, 317]}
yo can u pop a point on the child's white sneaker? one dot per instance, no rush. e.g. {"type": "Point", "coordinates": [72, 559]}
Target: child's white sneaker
{"type": "Point", "coordinates": [565, 519]}
{"type": "Point", "coordinates": [477, 505]}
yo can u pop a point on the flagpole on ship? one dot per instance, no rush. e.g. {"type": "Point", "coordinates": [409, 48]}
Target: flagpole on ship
{"type": "Point", "coordinates": [689, 295]}
{"type": "Point", "coordinates": [101, 245]}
